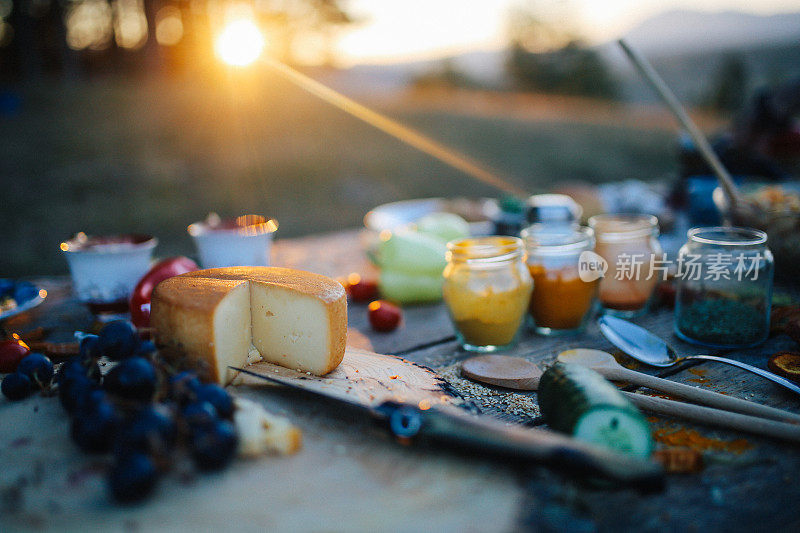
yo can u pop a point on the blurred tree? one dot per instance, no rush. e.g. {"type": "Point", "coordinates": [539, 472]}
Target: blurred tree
{"type": "Point", "coordinates": [305, 30]}
{"type": "Point", "coordinates": [573, 69]}
{"type": "Point", "coordinates": [546, 55]}
{"type": "Point", "coordinates": [536, 29]}
{"type": "Point", "coordinates": [729, 89]}
{"type": "Point", "coordinates": [151, 8]}
{"type": "Point", "coordinates": [46, 36]}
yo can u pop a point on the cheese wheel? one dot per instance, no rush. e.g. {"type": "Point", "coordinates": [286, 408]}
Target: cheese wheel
{"type": "Point", "coordinates": [211, 319]}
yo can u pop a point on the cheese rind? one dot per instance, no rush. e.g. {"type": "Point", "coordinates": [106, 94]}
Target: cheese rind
{"type": "Point", "coordinates": [210, 318]}
{"type": "Point", "coordinates": [203, 324]}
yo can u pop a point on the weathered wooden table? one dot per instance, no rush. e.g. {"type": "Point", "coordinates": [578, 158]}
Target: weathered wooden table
{"type": "Point", "coordinates": [350, 476]}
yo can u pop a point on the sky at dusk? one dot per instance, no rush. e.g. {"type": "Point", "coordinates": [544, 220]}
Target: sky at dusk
{"type": "Point", "coordinates": [418, 29]}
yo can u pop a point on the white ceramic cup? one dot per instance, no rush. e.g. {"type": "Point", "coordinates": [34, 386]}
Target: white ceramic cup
{"type": "Point", "coordinates": [244, 241]}
{"type": "Point", "coordinates": [106, 269]}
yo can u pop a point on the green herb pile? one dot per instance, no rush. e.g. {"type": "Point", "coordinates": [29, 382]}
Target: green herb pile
{"type": "Point", "coordinates": [724, 322]}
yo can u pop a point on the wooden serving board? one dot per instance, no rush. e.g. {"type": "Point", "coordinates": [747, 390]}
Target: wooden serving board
{"type": "Point", "coordinates": [368, 378]}
{"type": "Point", "coordinates": [346, 477]}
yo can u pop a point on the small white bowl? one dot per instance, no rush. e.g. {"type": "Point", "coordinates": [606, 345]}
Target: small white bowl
{"type": "Point", "coordinates": [105, 269]}
{"type": "Point", "coordinates": [243, 241]}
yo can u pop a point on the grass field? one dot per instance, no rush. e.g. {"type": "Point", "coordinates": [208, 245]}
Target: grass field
{"type": "Point", "coordinates": [153, 156]}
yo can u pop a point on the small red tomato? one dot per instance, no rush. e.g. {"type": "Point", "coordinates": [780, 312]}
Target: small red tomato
{"type": "Point", "coordinates": [384, 316]}
{"type": "Point", "coordinates": [363, 290]}
{"type": "Point", "coordinates": [140, 299]}
{"type": "Point", "coordinates": [12, 352]}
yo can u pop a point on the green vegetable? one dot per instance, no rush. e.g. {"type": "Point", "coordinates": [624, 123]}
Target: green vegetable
{"type": "Point", "coordinates": [410, 288]}
{"type": "Point", "coordinates": [446, 226]}
{"type": "Point", "coordinates": [413, 253]}
{"type": "Point", "coordinates": [579, 401]}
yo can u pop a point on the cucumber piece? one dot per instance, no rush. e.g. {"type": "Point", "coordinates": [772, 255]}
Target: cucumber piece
{"type": "Point", "coordinates": [579, 401]}
{"type": "Point", "coordinates": [617, 429]}
{"type": "Point", "coordinates": [406, 288]}
{"type": "Point", "coordinates": [446, 226]}
{"type": "Point", "coordinates": [413, 253]}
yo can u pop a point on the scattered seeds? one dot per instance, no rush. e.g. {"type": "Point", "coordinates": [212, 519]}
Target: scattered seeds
{"type": "Point", "coordinates": [509, 402]}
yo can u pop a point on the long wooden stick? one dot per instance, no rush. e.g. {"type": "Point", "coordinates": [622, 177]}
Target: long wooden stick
{"type": "Point", "coordinates": [716, 417]}
{"type": "Point", "coordinates": [658, 84]}
{"type": "Point", "coordinates": [695, 394]}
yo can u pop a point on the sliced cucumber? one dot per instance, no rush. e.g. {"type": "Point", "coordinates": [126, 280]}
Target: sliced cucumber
{"type": "Point", "coordinates": [410, 288]}
{"type": "Point", "coordinates": [446, 226]}
{"type": "Point", "coordinates": [579, 401]}
{"type": "Point", "coordinates": [413, 253]}
{"type": "Point", "coordinates": [615, 428]}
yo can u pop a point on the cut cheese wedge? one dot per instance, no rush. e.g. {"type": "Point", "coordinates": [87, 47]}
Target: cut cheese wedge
{"type": "Point", "coordinates": [211, 319]}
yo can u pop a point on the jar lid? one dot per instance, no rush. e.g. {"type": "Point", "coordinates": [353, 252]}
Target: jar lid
{"type": "Point", "coordinates": [623, 227]}
{"type": "Point", "coordinates": [727, 236]}
{"type": "Point", "coordinates": [544, 208]}
{"type": "Point", "coordinates": [548, 239]}
{"type": "Point", "coordinates": [490, 249]}
{"type": "Point", "coordinates": [108, 244]}
{"type": "Point", "coordinates": [244, 225]}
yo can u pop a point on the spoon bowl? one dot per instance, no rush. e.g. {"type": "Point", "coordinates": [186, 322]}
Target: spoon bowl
{"type": "Point", "coordinates": [647, 348]}
{"type": "Point", "coordinates": [637, 342]}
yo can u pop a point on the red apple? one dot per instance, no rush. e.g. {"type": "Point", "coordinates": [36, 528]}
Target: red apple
{"type": "Point", "coordinates": [384, 316]}
{"type": "Point", "coordinates": [12, 351]}
{"type": "Point", "coordinates": [140, 299]}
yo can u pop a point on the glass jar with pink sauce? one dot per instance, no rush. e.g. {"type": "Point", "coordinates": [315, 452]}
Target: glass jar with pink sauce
{"type": "Point", "coordinates": [629, 244]}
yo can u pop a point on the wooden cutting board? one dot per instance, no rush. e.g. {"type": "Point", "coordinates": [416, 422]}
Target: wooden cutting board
{"type": "Point", "coordinates": [368, 378]}
{"type": "Point", "coordinates": [342, 475]}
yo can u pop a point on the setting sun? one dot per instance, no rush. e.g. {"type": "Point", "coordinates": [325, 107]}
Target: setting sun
{"type": "Point", "coordinates": [240, 43]}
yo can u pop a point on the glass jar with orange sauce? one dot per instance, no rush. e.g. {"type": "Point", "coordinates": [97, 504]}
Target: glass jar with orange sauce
{"type": "Point", "coordinates": [629, 243]}
{"type": "Point", "coordinates": [561, 301]}
{"type": "Point", "coordinates": [487, 289]}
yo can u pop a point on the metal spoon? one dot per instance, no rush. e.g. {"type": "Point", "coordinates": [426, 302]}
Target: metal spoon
{"type": "Point", "coordinates": [652, 350]}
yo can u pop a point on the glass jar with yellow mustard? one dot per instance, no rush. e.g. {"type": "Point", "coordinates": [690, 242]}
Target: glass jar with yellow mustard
{"type": "Point", "coordinates": [561, 300]}
{"type": "Point", "coordinates": [487, 289]}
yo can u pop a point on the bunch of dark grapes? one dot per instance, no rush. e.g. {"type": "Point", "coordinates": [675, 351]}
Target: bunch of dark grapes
{"type": "Point", "coordinates": [139, 412]}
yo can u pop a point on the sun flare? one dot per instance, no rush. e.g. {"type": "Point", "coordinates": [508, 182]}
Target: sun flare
{"type": "Point", "coordinates": [240, 43]}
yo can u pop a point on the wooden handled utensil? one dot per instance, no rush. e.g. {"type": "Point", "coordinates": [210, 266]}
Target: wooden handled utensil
{"type": "Point", "coordinates": [519, 374]}
{"type": "Point", "coordinates": [716, 417]}
{"type": "Point", "coordinates": [646, 69]}
{"type": "Point", "coordinates": [416, 404]}
{"type": "Point", "coordinates": [605, 364]}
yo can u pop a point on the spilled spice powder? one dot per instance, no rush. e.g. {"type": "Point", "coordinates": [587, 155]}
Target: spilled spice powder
{"type": "Point", "coordinates": [679, 460]}
{"type": "Point", "coordinates": [690, 438]}
{"type": "Point", "coordinates": [700, 372]}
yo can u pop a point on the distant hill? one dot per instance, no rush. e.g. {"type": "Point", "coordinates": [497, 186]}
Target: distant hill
{"type": "Point", "coordinates": [691, 75]}
{"type": "Point", "coordinates": [682, 31]}
{"type": "Point", "coordinates": [688, 49]}
{"type": "Point", "coordinates": [486, 68]}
